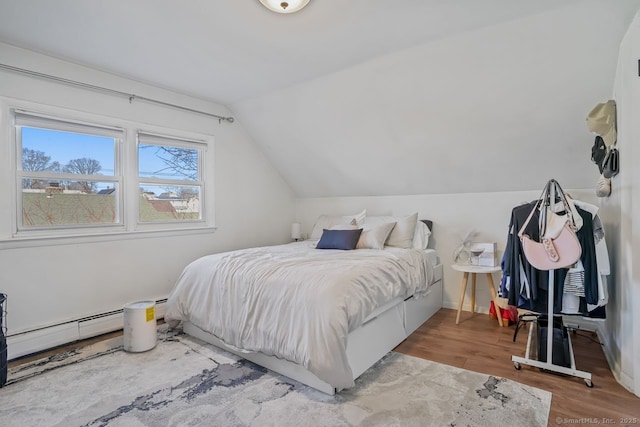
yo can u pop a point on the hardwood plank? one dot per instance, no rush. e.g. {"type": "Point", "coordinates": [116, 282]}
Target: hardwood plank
{"type": "Point", "coordinates": [479, 344]}
{"type": "Point", "coordinates": [61, 349]}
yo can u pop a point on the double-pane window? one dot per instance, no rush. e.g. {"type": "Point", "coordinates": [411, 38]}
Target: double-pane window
{"type": "Point", "coordinates": [68, 173]}
{"type": "Point", "coordinates": [170, 179]}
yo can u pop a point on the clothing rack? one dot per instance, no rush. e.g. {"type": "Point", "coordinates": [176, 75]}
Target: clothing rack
{"type": "Point", "coordinates": [549, 365]}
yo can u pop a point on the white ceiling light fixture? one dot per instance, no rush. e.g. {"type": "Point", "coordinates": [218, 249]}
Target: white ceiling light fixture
{"type": "Point", "coordinates": [281, 6]}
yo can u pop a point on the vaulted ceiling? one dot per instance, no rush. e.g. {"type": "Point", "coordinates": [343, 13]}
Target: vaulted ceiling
{"type": "Point", "coordinates": [367, 97]}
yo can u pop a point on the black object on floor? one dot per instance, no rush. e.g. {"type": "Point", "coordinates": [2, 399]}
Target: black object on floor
{"type": "Point", "coordinates": [3, 342]}
{"type": "Point", "coordinates": [560, 342]}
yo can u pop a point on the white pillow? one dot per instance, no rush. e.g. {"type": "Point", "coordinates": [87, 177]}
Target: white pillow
{"type": "Point", "coordinates": [402, 234]}
{"type": "Point", "coordinates": [375, 237]}
{"type": "Point", "coordinates": [421, 236]}
{"type": "Point", "coordinates": [328, 221]}
{"type": "Point", "coordinates": [351, 226]}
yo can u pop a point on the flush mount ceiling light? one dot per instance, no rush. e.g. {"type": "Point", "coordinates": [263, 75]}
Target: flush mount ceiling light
{"type": "Point", "coordinates": [288, 6]}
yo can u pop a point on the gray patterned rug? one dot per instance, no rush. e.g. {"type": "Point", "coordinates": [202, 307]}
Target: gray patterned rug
{"type": "Point", "coordinates": [185, 382]}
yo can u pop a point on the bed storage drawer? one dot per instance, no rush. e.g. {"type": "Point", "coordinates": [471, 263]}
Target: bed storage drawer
{"type": "Point", "coordinates": [373, 339]}
{"type": "Point", "coordinates": [418, 310]}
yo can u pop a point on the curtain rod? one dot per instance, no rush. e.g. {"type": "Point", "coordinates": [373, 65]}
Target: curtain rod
{"type": "Point", "coordinates": [130, 96]}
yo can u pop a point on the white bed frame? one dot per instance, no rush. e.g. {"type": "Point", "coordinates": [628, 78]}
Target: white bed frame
{"type": "Point", "coordinates": [380, 333]}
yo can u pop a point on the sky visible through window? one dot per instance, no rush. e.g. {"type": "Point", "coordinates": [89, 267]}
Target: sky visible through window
{"type": "Point", "coordinates": [62, 147]}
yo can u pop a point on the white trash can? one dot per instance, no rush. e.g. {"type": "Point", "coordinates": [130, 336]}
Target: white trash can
{"type": "Point", "coordinates": [140, 326]}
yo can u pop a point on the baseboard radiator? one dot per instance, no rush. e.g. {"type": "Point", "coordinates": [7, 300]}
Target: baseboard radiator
{"type": "Point", "coordinates": [30, 342]}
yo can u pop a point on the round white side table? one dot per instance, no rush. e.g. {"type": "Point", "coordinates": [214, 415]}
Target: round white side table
{"type": "Point", "coordinates": [473, 270]}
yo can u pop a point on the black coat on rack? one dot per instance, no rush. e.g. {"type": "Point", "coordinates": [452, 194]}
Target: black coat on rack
{"type": "Point", "coordinates": [539, 279]}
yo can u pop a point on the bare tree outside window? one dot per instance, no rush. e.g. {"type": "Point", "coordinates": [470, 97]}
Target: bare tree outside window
{"type": "Point", "coordinates": [37, 161]}
{"type": "Point", "coordinates": [169, 162]}
{"type": "Point", "coordinates": [83, 166]}
{"type": "Point", "coordinates": [182, 161]}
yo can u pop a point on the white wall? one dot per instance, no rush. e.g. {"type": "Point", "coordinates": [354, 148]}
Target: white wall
{"type": "Point", "coordinates": [620, 214]}
{"type": "Point", "coordinates": [474, 111]}
{"type": "Point", "coordinates": [48, 284]}
{"type": "Point", "coordinates": [453, 215]}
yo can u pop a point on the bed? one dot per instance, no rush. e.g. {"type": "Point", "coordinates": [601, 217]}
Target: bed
{"type": "Point", "coordinates": [321, 317]}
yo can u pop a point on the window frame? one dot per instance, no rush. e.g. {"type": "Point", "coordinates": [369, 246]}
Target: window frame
{"type": "Point", "coordinates": [161, 139]}
{"type": "Point", "coordinates": [24, 118]}
{"type": "Point", "coordinates": [127, 162]}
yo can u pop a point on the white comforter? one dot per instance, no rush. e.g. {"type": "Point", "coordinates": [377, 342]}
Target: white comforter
{"type": "Point", "coordinates": [294, 301]}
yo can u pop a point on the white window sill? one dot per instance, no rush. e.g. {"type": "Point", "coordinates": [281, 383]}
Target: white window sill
{"type": "Point", "coordinates": [40, 241]}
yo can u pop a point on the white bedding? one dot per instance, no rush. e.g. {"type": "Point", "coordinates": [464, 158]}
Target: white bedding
{"type": "Point", "coordinates": [432, 256]}
{"type": "Point", "coordinates": [294, 301]}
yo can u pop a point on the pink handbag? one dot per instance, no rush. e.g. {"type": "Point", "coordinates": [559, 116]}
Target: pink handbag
{"type": "Point", "coordinates": [563, 249]}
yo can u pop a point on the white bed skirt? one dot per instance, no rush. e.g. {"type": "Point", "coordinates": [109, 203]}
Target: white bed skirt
{"type": "Point", "coordinates": [380, 333]}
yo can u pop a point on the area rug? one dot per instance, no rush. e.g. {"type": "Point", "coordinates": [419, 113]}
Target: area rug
{"type": "Point", "coordinates": [185, 382]}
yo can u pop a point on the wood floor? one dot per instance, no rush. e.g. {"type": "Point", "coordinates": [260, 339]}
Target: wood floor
{"type": "Point", "coordinates": [479, 344]}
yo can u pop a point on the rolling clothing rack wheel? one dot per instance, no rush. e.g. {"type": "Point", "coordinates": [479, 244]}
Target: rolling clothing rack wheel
{"type": "Point", "coordinates": [589, 383]}
{"type": "Point", "coordinates": [517, 366]}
